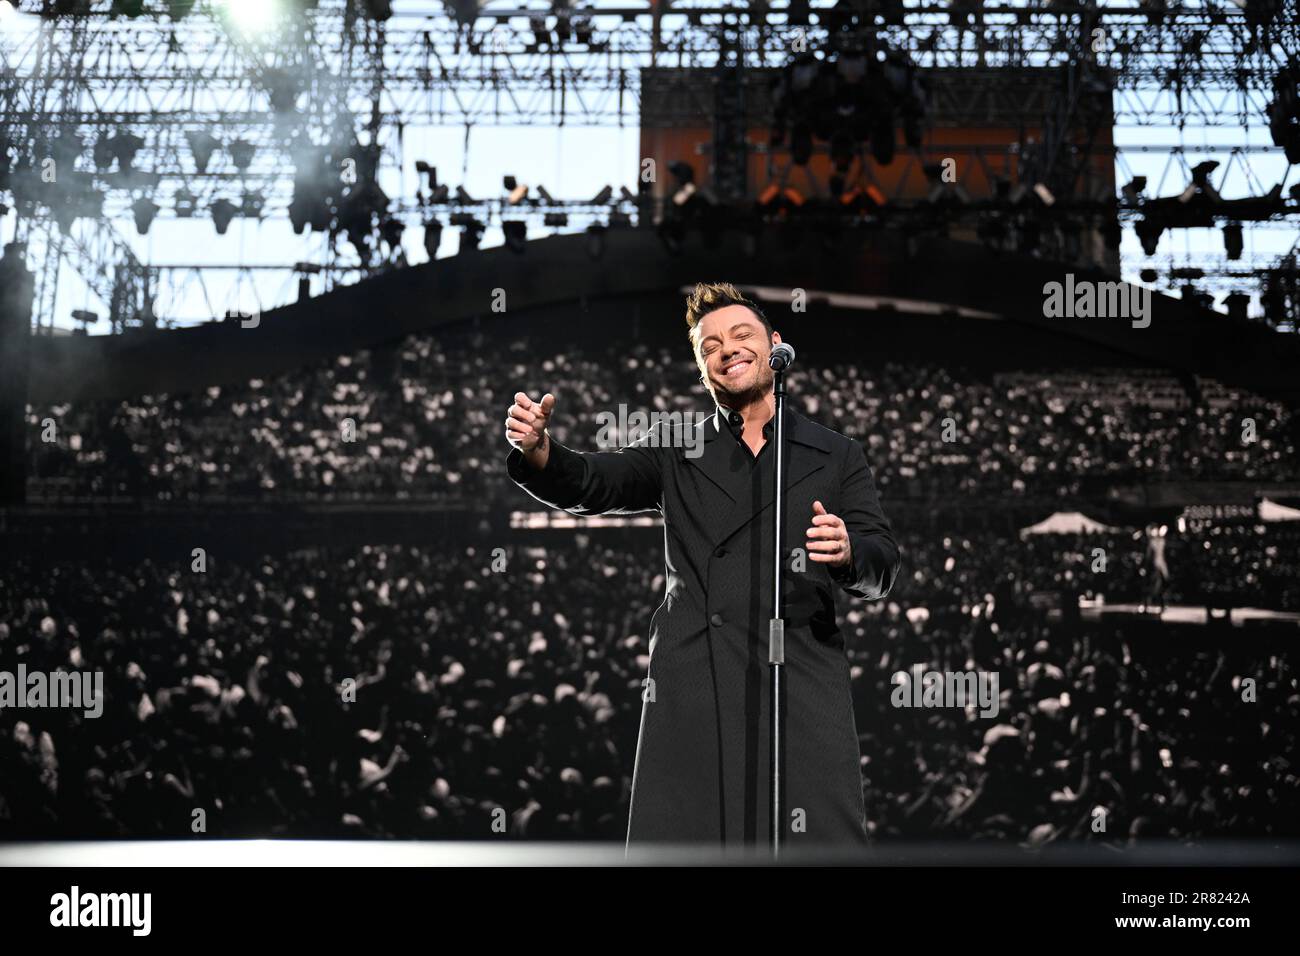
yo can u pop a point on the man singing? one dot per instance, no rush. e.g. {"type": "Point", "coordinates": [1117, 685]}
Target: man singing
{"type": "Point", "coordinates": [701, 771]}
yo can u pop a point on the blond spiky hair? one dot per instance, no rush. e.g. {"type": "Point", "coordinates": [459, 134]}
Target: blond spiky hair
{"type": "Point", "coordinates": [711, 296]}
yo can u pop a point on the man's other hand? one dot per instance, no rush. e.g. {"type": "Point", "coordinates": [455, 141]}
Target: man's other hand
{"type": "Point", "coordinates": [526, 428]}
{"type": "Point", "coordinates": [828, 539]}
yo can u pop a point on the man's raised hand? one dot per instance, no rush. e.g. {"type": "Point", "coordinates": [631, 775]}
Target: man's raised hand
{"type": "Point", "coordinates": [526, 427]}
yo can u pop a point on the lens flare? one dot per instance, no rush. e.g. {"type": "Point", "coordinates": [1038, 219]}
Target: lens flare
{"type": "Point", "coordinates": [251, 15]}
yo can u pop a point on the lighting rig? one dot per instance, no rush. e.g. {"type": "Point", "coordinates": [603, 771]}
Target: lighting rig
{"type": "Point", "coordinates": [230, 110]}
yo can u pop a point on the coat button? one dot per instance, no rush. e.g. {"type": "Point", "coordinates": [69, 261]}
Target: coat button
{"type": "Point", "coordinates": [720, 553]}
{"type": "Point", "coordinates": [716, 620]}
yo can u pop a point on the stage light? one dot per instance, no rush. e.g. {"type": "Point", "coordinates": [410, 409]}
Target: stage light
{"type": "Point", "coordinates": [390, 230]}
{"type": "Point", "coordinates": [124, 147]}
{"type": "Point", "coordinates": [432, 238]}
{"type": "Point", "coordinates": [185, 203]}
{"type": "Point", "coordinates": [1237, 303]}
{"type": "Point", "coordinates": [102, 153]}
{"type": "Point", "coordinates": [1133, 190]}
{"type": "Point", "coordinates": [1043, 193]}
{"type": "Point", "coordinates": [251, 204]}
{"type": "Point", "coordinates": [462, 196]}
{"type": "Point", "coordinates": [241, 153]}
{"type": "Point", "coordinates": [541, 33]}
{"type": "Point", "coordinates": [582, 29]}
{"type": "Point", "coordinates": [516, 233]}
{"type": "Point", "coordinates": [470, 236]}
{"type": "Point", "coordinates": [1148, 233]}
{"type": "Point", "coordinates": [223, 210]}
{"type": "Point", "coordinates": [471, 230]}
{"type": "Point", "coordinates": [1284, 112]}
{"type": "Point", "coordinates": [859, 200]}
{"type": "Point", "coordinates": [144, 211]}
{"type": "Point", "coordinates": [1232, 240]}
{"type": "Point", "coordinates": [464, 12]}
{"type": "Point", "coordinates": [202, 145]}
{"type": "Point", "coordinates": [309, 207]}
{"type": "Point", "coordinates": [602, 197]}
{"type": "Point", "coordinates": [283, 90]}
{"type": "Point", "coordinates": [545, 196]}
{"type": "Point", "coordinates": [362, 209]}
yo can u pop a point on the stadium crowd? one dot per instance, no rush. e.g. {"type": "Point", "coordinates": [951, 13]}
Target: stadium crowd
{"type": "Point", "coordinates": [427, 424]}
{"type": "Point", "coordinates": [428, 693]}
{"type": "Point", "coordinates": [437, 692]}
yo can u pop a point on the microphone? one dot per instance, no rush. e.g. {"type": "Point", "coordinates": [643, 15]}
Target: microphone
{"type": "Point", "coordinates": [782, 357]}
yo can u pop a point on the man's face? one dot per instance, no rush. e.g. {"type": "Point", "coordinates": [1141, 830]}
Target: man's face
{"type": "Point", "coordinates": [732, 349]}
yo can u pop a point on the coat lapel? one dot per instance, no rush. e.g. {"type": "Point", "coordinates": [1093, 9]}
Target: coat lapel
{"type": "Point", "coordinates": [727, 466]}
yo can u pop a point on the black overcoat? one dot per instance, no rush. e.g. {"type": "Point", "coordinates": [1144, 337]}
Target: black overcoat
{"type": "Point", "coordinates": [701, 770]}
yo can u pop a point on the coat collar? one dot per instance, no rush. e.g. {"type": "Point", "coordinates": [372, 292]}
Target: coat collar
{"type": "Point", "coordinates": [727, 465]}
{"type": "Point", "coordinates": [798, 429]}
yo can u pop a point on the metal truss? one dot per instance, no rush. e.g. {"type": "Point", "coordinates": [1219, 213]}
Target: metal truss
{"type": "Point", "coordinates": [432, 71]}
{"type": "Point", "coordinates": [332, 71]}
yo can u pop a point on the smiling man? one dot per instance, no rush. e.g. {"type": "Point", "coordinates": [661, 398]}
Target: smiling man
{"type": "Point", "coordinates": [701, 771]}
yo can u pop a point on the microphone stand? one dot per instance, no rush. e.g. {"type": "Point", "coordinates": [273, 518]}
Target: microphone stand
{"type": "Point", "coordinates": [776, 627]}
